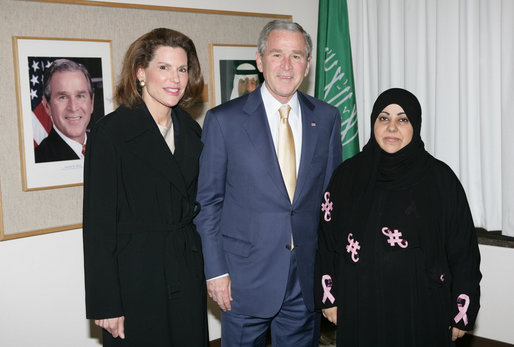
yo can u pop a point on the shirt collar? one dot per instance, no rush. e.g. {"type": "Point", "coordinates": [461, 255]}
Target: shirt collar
{"type": "Point", "coordinates": [272, 105]}
{"type": "Point", "coordinates": [76, 146]}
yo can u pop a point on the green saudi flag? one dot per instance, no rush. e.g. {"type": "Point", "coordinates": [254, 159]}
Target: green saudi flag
{"type": "Point", "coordinates": [334, 71]}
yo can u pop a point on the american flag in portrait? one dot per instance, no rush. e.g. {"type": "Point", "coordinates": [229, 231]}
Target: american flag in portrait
{"type": "Point", "coordinates": [41, 121]}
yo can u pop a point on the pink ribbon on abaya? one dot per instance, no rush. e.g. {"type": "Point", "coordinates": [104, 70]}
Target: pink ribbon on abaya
{"type": "Point", "coordinates": [463, 309]}
{"type": "Point", "coordinates": [327, 289]}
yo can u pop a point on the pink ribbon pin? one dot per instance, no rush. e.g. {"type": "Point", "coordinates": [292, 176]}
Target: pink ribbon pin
{"type": "Point", "coordinates": [463, 309]}
{"type": "Point", "coordinates": [326, 282]}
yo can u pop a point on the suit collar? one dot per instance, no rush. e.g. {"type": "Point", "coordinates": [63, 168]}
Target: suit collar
{"type": "Point", "coordinates": [59, 148]}
{"type": "Point", "coordinates": [253, 102]}
{"type": "Point", "coordinates": [74, 146]}
{"type": "Point", "coordinates": [188, 145]}
{"type": "Point", "coordinates": [259, 134]}
{"type": "Point", "coordinates": [138, 121]}
{"type": "Point", "coordinates": [258, 130]}
{"type": "Point", "coordinates": [310, 134]}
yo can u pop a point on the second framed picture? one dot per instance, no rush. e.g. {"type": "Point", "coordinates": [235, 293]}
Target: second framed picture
{"type": "Point", "coordinates": [233, 72]}
{"type": "Point", "coordinates": [63, 86]}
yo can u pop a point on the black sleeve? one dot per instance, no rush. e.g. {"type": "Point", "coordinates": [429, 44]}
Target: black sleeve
{"type": "Point", "coordinates": [463, 258]}
{"type": "Point", "coordinates": [103, 298]}
{"type": "Point", "coordinates": [325, 281]}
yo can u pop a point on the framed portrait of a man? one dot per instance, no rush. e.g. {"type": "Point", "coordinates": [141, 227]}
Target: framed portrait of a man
{"type": "Point", "coordinates": [233, 70]}
{"type": "Point", "coordinates": [63, 87]}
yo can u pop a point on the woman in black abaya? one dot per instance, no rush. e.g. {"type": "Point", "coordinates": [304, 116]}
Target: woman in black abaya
{"type": "Point", "coordinates": [398, 260]}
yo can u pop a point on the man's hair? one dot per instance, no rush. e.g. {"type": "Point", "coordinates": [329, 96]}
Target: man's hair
{"type": "Point", "coordinates": [285, 25]}
{"type": "Point", "coordinates": [139, 55]}
{"type": "Point", "coordinates": [61, 65]}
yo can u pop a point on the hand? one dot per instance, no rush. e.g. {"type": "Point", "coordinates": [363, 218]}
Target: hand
{"type": "Point", "coordinates": [115, 326]}
{"type": "Point", "coordinates": [330, 314]}
{"type": "Point", "coordinates": [219, 290]}
{"type": "Point", "coordinates": [457, 333]}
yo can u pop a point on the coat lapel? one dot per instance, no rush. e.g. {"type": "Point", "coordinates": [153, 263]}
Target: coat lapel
{"type": "Point", "coordinates": [310, 133]}
{"type": "Point", "coordinates": [258, 130]}
{"type": "Point", "coordinates": [145, 141]}
{"type": "Point", "coordinates": [188, 145]}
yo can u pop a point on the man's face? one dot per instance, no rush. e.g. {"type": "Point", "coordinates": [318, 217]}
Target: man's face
{"type": "Point", "coordinates": [70, 104]}
{"type": "Point", "coordinates": [247, 84]}
{"type": "Point", "coordinates": [253, 83]}
{"type": "Point", "coordinates": [284, 64]}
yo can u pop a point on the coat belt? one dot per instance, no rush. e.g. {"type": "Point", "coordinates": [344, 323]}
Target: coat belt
{"type": "Point", "coordinates": [135, 228]}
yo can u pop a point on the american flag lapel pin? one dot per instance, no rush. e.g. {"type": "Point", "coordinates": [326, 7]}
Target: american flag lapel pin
{"type": "Point", "coordinates": [313, 124]}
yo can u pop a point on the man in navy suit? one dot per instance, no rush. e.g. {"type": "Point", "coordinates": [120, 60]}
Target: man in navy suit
{"type": "Point", "coordinates": [259, 226]}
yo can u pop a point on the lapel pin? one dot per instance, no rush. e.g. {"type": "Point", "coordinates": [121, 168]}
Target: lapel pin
{"type": "Point", "coordinates": [313, 124]}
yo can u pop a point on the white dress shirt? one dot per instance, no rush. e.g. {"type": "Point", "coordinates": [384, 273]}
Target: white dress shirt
{"type": "Point", "coordinates": [272, 106]}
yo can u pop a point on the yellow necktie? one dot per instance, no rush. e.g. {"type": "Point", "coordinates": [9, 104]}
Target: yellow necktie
{"type": "Point", "coordinates": [286, 152]}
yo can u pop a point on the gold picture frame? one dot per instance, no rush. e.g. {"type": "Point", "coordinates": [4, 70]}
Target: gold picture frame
{"type": "Point", "coordinates": [233, 71]}
{"type": "Point", "coordinates": [32, 56]}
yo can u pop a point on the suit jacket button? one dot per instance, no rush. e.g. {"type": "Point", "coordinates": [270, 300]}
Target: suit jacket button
{"type": "Point", "coordinates": [293, 212]}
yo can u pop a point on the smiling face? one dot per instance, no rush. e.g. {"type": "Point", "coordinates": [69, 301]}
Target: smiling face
{"type": "Point", "coordinates": [284, 64]}
{"type": "Point", "coordinates": [165, 78]}
{"type": "Point", "coordinates": [392, 129]}
{"type": "Point", "coordinates": [71, 104]}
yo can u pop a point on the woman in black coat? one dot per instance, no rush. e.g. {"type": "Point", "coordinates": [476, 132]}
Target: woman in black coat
{"type": "Point", "coordinates": [398, 260]}
{"type": "Point", "coordinates": [142, 255]}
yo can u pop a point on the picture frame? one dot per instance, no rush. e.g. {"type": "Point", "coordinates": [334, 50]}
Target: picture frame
{"type": "Point", "coordinates": [32, 57]}
{"type": "Point", "coordinates": [1, 217]}
{"type": "Point", "coordinates": [233, 71]}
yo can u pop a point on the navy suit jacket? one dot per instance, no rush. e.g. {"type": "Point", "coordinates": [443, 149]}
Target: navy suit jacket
{"type": "Point", "coordinates": [53, 148]}
{"type": "Point", "coordinates": [247, 218]}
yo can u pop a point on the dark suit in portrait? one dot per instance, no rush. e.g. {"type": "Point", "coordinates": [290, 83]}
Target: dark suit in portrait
{"type": "Point", "coordinates": [53, 148]}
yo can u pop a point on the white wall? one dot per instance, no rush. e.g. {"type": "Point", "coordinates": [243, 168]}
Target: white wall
{"type": "Point", "coordinates": [41, 277]}
{"type": "Point", "coordinates": [42, 292]}
{"type": "Point", "coordinates": [496, 317]}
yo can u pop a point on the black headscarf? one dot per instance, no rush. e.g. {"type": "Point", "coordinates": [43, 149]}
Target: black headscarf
{"type": "Point", "coordinates": [391, 167]}
{"type": "Point", "coordinates": [377, 167]}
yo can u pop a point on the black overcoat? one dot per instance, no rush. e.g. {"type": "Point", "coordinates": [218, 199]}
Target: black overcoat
{"type": "Point", "coordinates": [142, 254]}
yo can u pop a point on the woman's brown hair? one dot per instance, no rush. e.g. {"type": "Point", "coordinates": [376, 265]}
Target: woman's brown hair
{"type": "Point", "coordinates": [141, 52]}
